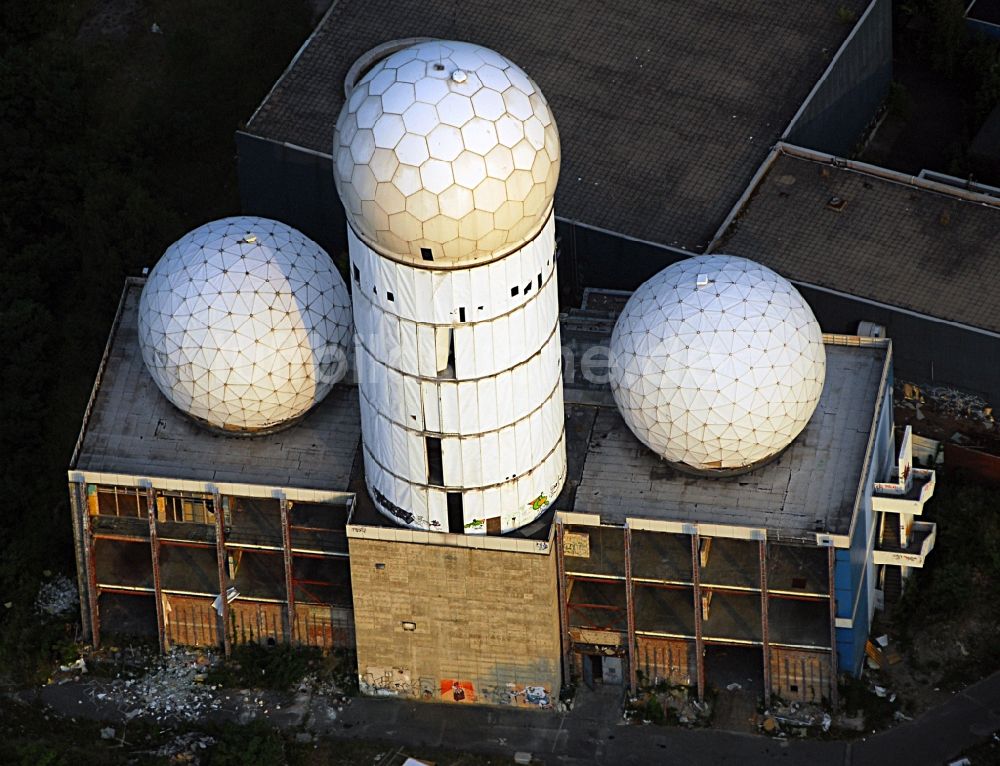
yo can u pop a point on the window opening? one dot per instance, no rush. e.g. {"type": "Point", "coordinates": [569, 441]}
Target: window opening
{"type": "Point", "coordinates": [435, 463]}
{"type": "Point", "coordinates": [456, 513]}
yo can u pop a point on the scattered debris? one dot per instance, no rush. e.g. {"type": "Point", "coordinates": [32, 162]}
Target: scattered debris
{"type": "Point", "coordinates": [521, 757]}
{"type": "Point", "coordinates": [108, 732]}
{"type": "Point", "coordinates": [882, 641]}
{"type": "Point", "coordinates": [156, 29]}
{"type": "Point", "coordinates": [80, 665]}
{"type": "Point", "coordinates": [57, 597]}
{"type": "Point", "coordinates": [186, 748]}
{"type": "Point", "coordinates": [174, 689]}
{"type": "Point", "coordinates": [733, 687]}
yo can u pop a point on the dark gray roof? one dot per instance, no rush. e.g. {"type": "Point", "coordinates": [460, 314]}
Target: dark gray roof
{"type": "Point", "coordinates": [133, 429]}
{"type": "Point", "coordinates": [665, 108]}
{"type": "Point", "coordinates": [811, 488]}
{"type": "Point", "coordinates": [893, 241]}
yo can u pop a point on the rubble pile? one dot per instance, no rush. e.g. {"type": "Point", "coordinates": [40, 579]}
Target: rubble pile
{"type": "Point", "coordinates": [174, 690]}
{"type": "Point", "coordinates": [57, 597]}
{"type": "Point", "coordinates": [186, 748]}
{"type": "Point", "coordinates": [795, 717]}
{"type": "Point", "coordinates": [944, 400]}
{"type": "Point", "coordinates": [675, 704]}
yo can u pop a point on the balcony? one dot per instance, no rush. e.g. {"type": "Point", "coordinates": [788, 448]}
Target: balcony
{"type": "Point", "coordinates": [922, 538]}
{"type": "Point", "coordinates": [911, 487]}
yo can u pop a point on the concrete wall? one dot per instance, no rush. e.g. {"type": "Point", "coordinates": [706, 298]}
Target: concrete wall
{"type": "Point", "coordinates": [924, 350]}
{"type": "Point", "coordinates": [294, 186]}
{"type": "Point", "coordinates": [485, 623]}
{"type": "Point", "coordinates": [854, 583]}
{"type": "Point", "coordinates": [850, 93]}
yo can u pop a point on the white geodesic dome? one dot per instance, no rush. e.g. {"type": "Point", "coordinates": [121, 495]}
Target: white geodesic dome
{"type": "Point", "coordinates": [245, 323]}
{"type": "Point", "coordinates": [717, 363]}
{"type": "Point", "coordinates": [446, 152]}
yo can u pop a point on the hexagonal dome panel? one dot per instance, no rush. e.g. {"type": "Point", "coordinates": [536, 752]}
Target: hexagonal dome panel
{"type": "Point", "coordinates": [717, 363]}
{"type": "Point", "coordinates": [429, 123]}
{"type": "Point", "coordinates": [245, 324]}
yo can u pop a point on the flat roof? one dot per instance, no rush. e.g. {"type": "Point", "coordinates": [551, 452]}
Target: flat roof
{"type": "Point", "coordinates": [895, 239]}
{"type": "Point", "coordinates": [811, 488]}
{"type": "Point", "coordinates": [133, 429]}
{"type": "Point", "coordinates": [665, 111]}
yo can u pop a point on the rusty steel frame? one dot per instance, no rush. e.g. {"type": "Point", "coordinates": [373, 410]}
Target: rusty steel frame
{"type": "Point", "coordinates": [286, 550]}
{"type": "Point", "coordinates": [220, 560]}
{"type": "Point", "coordinates": [630, 610]}
{"type": "Point", "coordinates": [563, 594]}
{"type": "Point", "coordinates": [699, 644]}
{"type": "Point", "coordinates": [119, 538]}
{"type": "Point", "coordinates": [834, 675]}
{"type": "Point", "coordinates": [154, 549]}
{"type": "Point", "coordinates": [764, 628]}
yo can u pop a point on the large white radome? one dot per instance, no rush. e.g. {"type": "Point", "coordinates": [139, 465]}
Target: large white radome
{"type": "Point", "coordinates": [244, 324]}
{"type": "Point", "coordinates": [448, 147]}
{"type": "Point", "coordinates": [717, 363]}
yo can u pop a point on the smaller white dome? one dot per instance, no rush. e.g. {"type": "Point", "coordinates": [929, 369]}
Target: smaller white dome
{"type": "Point", "coordinates": [245, 323]}
{"type": "Point", "coordinates": [447, 151]}
{"type": "Point", "coordinates": [717, 363]}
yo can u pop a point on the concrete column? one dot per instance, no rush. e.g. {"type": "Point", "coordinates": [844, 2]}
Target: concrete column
{"type": "Point", "coordinates": [563, 593]}
{"type": "Point", "coordinates": [630, 611]}
{"type": "Point", "coordinates": [699, 648]}
{"type": "Point", "coordinates": [220, 559]}
{"type": "Point", "coordinates": [765, 637]}
{"type": "Point", "coordinates": [78, 510]}
{"type": "Point", "coordinates": [286, 542]}
{"type": "Point", "coordinates": [834, 674]}
{"type": "Point", "coordinates": [154, 548]}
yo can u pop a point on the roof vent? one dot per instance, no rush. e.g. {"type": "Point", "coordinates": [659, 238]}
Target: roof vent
{"type": "Point", "coordinates": [703, 280]}
{"type": "Point", "coordinates": [459, 76]}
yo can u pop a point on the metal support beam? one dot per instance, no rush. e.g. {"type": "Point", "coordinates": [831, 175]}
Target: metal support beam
{"type": "Point", "coordinates": [286, 542]}
{"type": "Point", "coordinates": [220, 558]}
{"type": "Point", "coordinates": [699, 647]}
{"type": "Point", "coordinates": [834, 675]}
{"type": "Point", "coordinates": [765, 631]}
{"type": "Point", "coordinates": [154, 549]}
{"type": "Point", "coordinates": [563, 593]}
{"type": "Point", "coordinates": [630, 608]}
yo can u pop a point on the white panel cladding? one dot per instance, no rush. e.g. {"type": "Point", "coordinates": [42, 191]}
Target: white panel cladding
{"type": "Point", "coordinates": [501, 455]}
{"type": "Point", "coordinates": [461, 406]}
{"type": "Point", "coordinates": [480, 348]}
{"type": "Point", "coordinates": [516, 502]}
{"type": "Point", "coordinates": [485, 292]}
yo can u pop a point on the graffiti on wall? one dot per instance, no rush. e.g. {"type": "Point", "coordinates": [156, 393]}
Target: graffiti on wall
{"type": "Point", "coordinates": [457, 691]}
{"type": "Point", "coordinates": [576, 544]}
{"type": "Point", "coordinates": [386, 682]}
{"type": "Point", "coordinates": [519, 695]}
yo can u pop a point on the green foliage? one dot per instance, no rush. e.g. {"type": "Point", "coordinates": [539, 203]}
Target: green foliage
{"type": "Point", "coordinates": [855, 696]}
{"type": "Point", "coordinates": [265, 667]}
{"type": "Point", "coordinates": [112, 148]}
{"type": "Point", "coordinates": [845, 15]}
{"type": "Point", "coordinates": [966, 560]}
{"type": "Point", "coordinates": [254, 744]}
{"type": "Point", "coordinates": [948, 33]}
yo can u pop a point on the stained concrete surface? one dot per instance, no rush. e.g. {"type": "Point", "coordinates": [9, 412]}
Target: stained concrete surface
{"type": "Point", "coordinates": [585, 736]}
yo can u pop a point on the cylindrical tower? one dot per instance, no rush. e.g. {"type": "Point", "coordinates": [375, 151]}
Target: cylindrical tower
{"type": "Point", "coordinates": [447, 158]}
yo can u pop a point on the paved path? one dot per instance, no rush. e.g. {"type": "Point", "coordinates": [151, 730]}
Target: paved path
{"type": "Point", "coordinates": [593, 734]}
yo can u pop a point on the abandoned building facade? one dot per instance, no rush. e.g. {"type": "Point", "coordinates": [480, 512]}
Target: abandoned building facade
{"type": "Point", "coordinates": [621, 567]}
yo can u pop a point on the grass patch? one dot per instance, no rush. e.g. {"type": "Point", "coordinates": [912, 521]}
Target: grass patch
{"type": "Point", "coordinates": [265, 667]}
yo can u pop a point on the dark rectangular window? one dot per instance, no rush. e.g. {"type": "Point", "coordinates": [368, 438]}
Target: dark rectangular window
{"type": "Point", "coordinates": [539, 280]}
{"type": "Point", "coordinates": [514, 291]}
{"type": "Point", "coordinates": [390, 296]}
{"type": "Point", "coordinates": [435, 464]}
{"type": "Point", "coordinates": [527, 288]}
{"type": "Point", "coordinates": [461, 313]}
{"type": "Point", "coordinates": [456, 514]}
{"type": "Point", "coordinates": [426, 254]}
{"type": "Point", "coordinates": [357, 275]}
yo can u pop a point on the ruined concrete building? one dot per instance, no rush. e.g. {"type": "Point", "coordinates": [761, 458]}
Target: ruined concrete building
{"type": "Point", "coordinates": [471, 511]}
